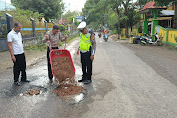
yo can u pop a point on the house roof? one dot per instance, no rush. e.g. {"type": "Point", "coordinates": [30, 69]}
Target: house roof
{"type": "Point", "coordinates": [4, 6]}
{"type": "Point", "coordinates": [167, 13]}
{"type": "Point", "coordinates": [63, 21]}
{"type": "Point", "coordinates": [150, 5]}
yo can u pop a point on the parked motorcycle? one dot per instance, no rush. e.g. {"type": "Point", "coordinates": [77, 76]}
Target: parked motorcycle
{"type": "Point", "coordinates": [148, 40]}
{"type": "Point", "coordinates": [105, 37]}
{"type": "Point", "coordinates": [99, 34]}
{"type": "Point", "coordinates": [136, 39]}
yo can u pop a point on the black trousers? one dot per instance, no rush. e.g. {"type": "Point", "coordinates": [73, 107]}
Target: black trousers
{"type": "Point", "coordinates": [19, 66]}
{"type": "Point", "coordinates": [48, 63]}
{"type": "Point", "coordinates": [86, 65]}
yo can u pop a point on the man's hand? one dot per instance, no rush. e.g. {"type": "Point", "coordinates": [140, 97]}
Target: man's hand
{"type": "Point", "coordinates": [66, 36]}
{"type": "Point", "coordinates": [93, 36]}
{"type": "Point", "coordinates": [77, 52]}
{"type": "Point", "coordinates": [47, 36]}
{"type": "Point", "coordinates": [13, 58]}
{"type": "Point", "coordinates": [92, 57]}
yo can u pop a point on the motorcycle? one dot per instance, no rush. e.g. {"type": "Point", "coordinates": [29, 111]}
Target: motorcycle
{"type": "Point", "coordinates": [148, 40]}
{"type": "Point", "coordinates": [99, 34]}
{"type": "Point", "coordinates": [105, 37]}
{"type": "Point", "coordinates": [136, 39]}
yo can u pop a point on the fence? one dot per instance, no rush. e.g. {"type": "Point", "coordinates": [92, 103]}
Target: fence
{"type": "Point", "coordinates": [3, 27]}
{"type": "Point", "coordinates": [133, 32]}
{"type": "Point", "coordinates": [30, 30]}
{"type": "Point", "coordinates": [169, 36]}
{"type": "Point", "coordinates": [3, 33]}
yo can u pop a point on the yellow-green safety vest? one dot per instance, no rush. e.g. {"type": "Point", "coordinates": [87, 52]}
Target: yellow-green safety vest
{"type": "Point", "coordinates": [85, 42]}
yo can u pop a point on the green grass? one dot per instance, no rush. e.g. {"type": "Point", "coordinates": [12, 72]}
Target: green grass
{"type": "Point", "coordinates": [36, 47]}
{"type": "Point", "coordinates": [113, 31]}
{"type": "Point", "coordinates": [42, 47]}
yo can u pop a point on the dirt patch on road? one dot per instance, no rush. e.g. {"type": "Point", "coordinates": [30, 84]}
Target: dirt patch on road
{"type": "Point", "coordinates": [32, 92]}
{"type": "Point", "coordinates": [68, 89]}
{"type": "Point", "coordinates": [64, 73]}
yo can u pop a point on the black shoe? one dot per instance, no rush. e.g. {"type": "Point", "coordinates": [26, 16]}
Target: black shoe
{"type": "Point", "coordinates": [87, 81]}
{"type": "Point", "coordinates": [17, 83]}
{"type": "Point", "coordinates": [50, 81]}
{"type": "Point", "coordinates": [82, 80]}
{"type": "Point", "coordinates": [25, 81]}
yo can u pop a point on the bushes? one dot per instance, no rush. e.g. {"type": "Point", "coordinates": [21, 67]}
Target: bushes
{"type": "Point", "coordinates": [113, 31]}
{"type": "Point", "coordinates": [176, 38]}
{"type": "Point", "coordinates": [140, 30]}
{"type": "Point", "coordinates": [67, 32]}
{"type": "Point", "coordinates": [61, 28]}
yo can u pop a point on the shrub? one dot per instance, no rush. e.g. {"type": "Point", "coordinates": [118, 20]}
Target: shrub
{"type": "Point", "coordinates": [113, 31]}
{"type": "Point", "coordinates": [62, 28]}
{"type": "Point", "coordinates": [67, 32]}
{"type": "Point", "coordinates": [176, 38]}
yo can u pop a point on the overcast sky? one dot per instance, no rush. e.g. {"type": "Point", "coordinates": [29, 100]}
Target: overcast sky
{"type": "Point", "coordinates": [8, 1]}
{"type": "Point", "coordinates": [75, 5]}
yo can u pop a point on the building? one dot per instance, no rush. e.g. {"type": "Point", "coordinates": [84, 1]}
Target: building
{"type": "Point", "coordinates": [4, 6]}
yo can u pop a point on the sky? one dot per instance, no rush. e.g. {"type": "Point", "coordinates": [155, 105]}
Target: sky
{"type": "Point", "coordinates": [8, 1]}
{"type": "Point", "coordinates": [75, 5]}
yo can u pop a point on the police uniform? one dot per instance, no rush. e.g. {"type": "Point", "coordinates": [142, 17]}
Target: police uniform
{"type": "Point", "coordinates": [87, 48]}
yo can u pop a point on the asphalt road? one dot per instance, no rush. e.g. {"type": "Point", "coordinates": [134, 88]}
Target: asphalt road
{"type": "Point", "coordinates": [124, 86]}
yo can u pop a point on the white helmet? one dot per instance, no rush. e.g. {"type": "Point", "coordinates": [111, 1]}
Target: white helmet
{"type": "Point", "coordinates": [82, 25]}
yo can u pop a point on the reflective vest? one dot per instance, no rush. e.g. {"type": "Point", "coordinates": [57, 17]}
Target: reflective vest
{"type": "Point", "coordinates": [85, 42]}
{"type": "Point", "coordinates": [105, 31]}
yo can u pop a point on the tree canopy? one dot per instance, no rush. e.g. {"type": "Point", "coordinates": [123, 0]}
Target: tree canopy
{"type": "Point", "coordinates": [99, 13]}
{"type": "Point", "coordinates": [71, 15]}
{"type": "Point", "coordinates": [164, 2]}
{"type": "Point", "coordinates": [51, 9]}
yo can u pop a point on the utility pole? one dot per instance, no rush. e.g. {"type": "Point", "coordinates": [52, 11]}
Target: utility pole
{"type": "Point", "coordinates": [5, 6]}
{"type": "Point", "coordinates": [69, 7]}
{"type": "Point", "coordinates": [61, 11]}
{"type": "Point", "coordinates": [61, 15]}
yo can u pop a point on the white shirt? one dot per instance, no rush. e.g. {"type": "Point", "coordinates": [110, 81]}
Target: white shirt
{"type": "Point", "coordinates": [16, 39]}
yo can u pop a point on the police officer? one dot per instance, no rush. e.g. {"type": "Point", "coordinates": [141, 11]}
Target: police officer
{"type": "Point", "coordinates": [87, 50]}
{"type": "Point", "coordinates": [54, 36]}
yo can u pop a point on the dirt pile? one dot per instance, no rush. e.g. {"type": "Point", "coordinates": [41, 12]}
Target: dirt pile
{"type": "Point", "coordinates": [32, 92]}
{"type": "Point", "coordinates": [68, 89]}
{"type": "Point", "coordinates": [62, 68]}
{"type": "Point", "coordinates": [64, 73]}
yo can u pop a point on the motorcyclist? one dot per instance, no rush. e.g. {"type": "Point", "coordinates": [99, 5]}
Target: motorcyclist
{"type": "Point", "coordinates": [99, 33]}
{"type": "Point", "coordinates": [105, 32]}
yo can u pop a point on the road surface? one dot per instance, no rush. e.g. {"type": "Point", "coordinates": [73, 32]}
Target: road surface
{"type": "Point", "coordinates": [125, 85]}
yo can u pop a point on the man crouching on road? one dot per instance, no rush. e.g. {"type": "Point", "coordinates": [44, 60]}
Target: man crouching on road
{"type": "Point", "coordinates": [54, 36]}
{"type": "Point", "coordinates": [15, 46]}
{"type": "Point", "coordinates": [87, 50]}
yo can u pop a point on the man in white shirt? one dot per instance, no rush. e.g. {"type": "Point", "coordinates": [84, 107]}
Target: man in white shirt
{"type": "Point", "coordinates": [15, 45]}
